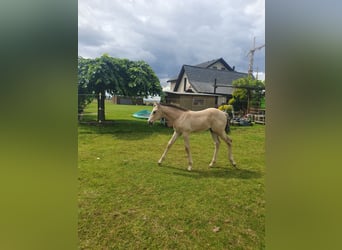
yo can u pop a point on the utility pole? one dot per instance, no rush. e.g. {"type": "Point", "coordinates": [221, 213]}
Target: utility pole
{"type": "Point", "coordinates": [251, 57]}
{"type": "Point", "coordinates": [257, 73]}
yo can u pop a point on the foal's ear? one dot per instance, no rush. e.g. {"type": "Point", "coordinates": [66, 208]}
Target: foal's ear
{"type": "Point", "coordinates": [155, 104]}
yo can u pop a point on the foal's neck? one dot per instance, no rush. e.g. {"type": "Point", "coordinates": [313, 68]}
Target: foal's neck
{"type": "Point", "coordinates": [172, 114]}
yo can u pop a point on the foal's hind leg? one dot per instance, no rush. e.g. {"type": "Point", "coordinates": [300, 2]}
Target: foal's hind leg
{"type": "Point", "coordinates": [170, 143]}
{"type": "Point", "coordinates": [224, 137]}
{"type": "Point", "coordinates": [217, 146]}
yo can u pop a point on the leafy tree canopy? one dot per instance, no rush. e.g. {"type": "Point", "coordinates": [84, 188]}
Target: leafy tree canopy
{"type": "Point", "coordinates": [249, 83]}
{"type": "Point", "coordinates": [117, 77]}
{"type": "Point", "coordinates": [85, 95]}
{"type": "Point", "coordinates": [248, 91]}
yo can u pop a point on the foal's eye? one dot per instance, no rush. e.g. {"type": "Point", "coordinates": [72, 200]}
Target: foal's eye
{"type": "Point", "coordinates": [153, 112]}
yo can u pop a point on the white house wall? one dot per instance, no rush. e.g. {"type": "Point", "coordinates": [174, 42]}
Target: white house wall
{"type": "Point", "coordinates": [181, 85]}
{"type": "Point", "coordinates": [172, 85]}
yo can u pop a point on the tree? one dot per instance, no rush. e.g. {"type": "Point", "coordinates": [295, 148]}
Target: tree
{"type": "Point", "coordinates": [142, 80]}
{"type": "Point", "coordinates": [85, 95]}
{"type": "Point", "coordinates": [248, 91]}
{"type": "Point", "coordinates": [118, 77]}
{"type": "Point", "coordinates": [104, 76]}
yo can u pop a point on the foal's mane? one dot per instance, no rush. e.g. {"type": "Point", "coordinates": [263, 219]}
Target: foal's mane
{"type": "Point", "coordinates": [174, 106]}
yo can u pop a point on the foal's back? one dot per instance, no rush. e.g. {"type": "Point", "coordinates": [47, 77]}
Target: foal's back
{"type": "Point", "coordinates": [210, 118]}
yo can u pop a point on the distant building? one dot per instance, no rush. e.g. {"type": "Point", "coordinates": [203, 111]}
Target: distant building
{"type": "Point", "coordinates": [204, 85]}
{"type": "Point", "coordinates": [151, 100]}
{"type": "Point", "coordinates": [127, 100]}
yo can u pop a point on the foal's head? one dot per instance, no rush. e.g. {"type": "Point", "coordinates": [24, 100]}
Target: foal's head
{"type": "Point", "coordinates": [156, 114]}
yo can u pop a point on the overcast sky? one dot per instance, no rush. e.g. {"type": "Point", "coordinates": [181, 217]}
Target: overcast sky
{"type": "Point", "coordinates": [169, 33]}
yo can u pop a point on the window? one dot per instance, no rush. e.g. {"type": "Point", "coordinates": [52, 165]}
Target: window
{"type": "Point", "coordinates": [198, 102]}
{"type": "Point", "coordinates": [185, 84]}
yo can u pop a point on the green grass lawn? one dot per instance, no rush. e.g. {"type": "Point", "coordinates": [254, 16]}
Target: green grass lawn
{"type": "Point", "coordinates": [126, 201]}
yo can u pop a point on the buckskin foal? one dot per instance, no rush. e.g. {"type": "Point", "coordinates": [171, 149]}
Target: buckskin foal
{"type": "Point", "coordinates": [186, 121]}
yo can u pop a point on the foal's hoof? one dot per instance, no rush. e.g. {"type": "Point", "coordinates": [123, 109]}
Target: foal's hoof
{"type": "Point", "coordinates": [189, 168]}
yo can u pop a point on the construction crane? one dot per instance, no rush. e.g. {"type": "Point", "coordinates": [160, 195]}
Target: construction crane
{"type": "Point", "coordinates": [251, 57]}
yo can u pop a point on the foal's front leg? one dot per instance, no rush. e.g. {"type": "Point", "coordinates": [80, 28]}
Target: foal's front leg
{"type": "Point", "coordinates": [187, 149]}
{"type": "Point", "coordinates": [170, 143]}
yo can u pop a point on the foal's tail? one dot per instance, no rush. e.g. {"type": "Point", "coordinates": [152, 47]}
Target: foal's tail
{"type": "Point", "coordinates": [227, 128]}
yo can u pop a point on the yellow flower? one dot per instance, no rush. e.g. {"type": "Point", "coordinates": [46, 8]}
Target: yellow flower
{"type": "Point", "coordinates": [226, 108]}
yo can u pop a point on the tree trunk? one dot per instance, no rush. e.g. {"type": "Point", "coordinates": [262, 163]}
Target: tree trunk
{"type": "Point", "coordinates": [101, 106]}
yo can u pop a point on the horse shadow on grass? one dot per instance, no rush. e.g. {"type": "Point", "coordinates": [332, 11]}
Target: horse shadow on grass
{"type": "Point", "coordinates": [124, 129]}
{"type": "Point", "coordinates": [216, 172]}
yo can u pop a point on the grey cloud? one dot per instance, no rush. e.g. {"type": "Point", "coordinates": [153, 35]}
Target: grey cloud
{"type": "Point", "coordinates": [168, 34]}
{"type": "Point", "coordinates": [88, 36]}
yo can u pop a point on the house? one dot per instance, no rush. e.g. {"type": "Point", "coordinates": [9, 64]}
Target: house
{"type": "Point", "coordinates": [190, 100]}
{"type": "Point", "coordinates": [204, 85]}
